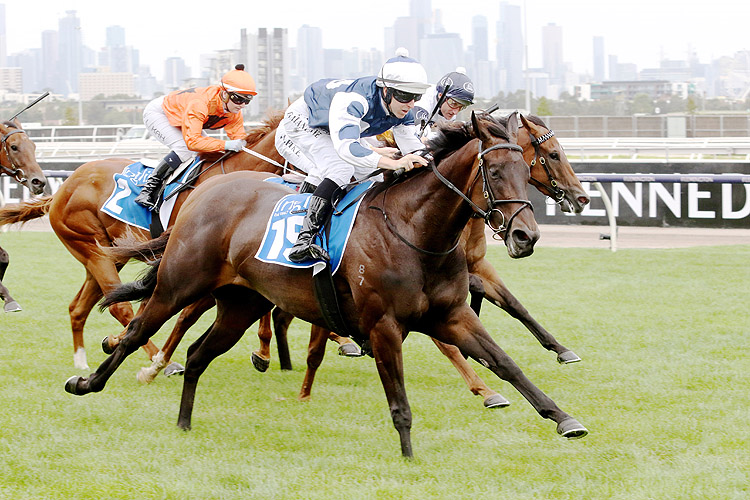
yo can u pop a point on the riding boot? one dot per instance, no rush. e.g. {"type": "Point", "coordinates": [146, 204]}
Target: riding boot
{"type": "Point", "coordinates": [150, 192]}
{"type": "Point", "coordinates": [318, 211]}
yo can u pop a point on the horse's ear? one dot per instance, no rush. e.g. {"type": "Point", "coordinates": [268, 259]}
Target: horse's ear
{"type": "Point", "coordinates": [513, 127]}
{"type": "Point", "coordinates": [524, 121]}
{"type": "Point", "coordinates": [479, 131]}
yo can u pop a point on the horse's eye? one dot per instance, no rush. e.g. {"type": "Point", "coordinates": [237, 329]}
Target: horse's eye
{"type": "Point", "coordinates": [555, 156]}
{"type": "Point", "coordinates": [494, 173]}
{"type": "Point", "coordinates": [14, 148]}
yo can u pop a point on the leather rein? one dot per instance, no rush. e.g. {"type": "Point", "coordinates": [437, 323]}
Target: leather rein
{"type": "Point", "coordinates": [489, 195]}
{"type": "Point", "coordinates": [12, 170]}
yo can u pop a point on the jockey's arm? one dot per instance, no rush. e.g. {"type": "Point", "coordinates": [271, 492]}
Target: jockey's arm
{"type": "Point", "coordinates": [196, 115]}
{"type": "Point", "coordinates": [344, 119]}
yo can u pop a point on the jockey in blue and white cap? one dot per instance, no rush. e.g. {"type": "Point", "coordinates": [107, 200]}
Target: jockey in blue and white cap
{"type": "Point", "coordinates": [323, 131]}
{"type": "Point", "coordinates": [459, 96]}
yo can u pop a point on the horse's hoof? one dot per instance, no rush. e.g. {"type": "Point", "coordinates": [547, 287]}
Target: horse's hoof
{"type": "Point", "coordinates": [567, 357]}
{"type": "Point", "coordinates": [106, 347]}
{"type": "Point", "coordinates": [350, 350]}
{"type": "Point", "coordinates": [259, 363]}
{"type": "Point", "coordinates": [571, 428]}
{"type": "Point", "coordinates": [174, 369]}
{"type": "Point", "coordinates": [71, 385]}
{"type": "Point", "coordinates": [12, 306]}
{"type": "Point", "coordinates": [496, 401]}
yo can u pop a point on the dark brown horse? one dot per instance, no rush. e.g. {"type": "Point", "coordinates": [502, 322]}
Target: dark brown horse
{"type": "Point", "coordinates": [86, 231]}
{"type": "Point", "coordinates": [408, 275]}
{"type": "Point", "coordinates": [551, 173]}
{"type": "Point", "coordinates": [17, 160]}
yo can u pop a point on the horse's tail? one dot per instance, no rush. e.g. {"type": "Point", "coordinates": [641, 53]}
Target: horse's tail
{"type": "Point", "coordinates": [128, 247]}
{"type": "Point", "coordinates": [138, 290]}
{"type": "Point", "coordinates": [25, 211]}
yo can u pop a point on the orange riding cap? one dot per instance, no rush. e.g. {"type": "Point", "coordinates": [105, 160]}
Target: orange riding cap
{"type": "Point", "coordinates": [202, 108]}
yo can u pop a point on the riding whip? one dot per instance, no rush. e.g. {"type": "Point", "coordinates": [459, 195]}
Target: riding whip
{"type": "Point", "coordinates": [30, 105]}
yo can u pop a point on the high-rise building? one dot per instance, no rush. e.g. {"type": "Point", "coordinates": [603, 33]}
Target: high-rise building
{"type": "Point", "coordinates": [599, 58]}
{"type": "Point", "coordinates": [3, 39]}
{"type": "Point", "coordinates": [441, 54]}
{"type": "Point", "coordinates": [510, 48]}
{"type": "Point", "coordinates": [50, 78]}
{"type": "Point", "coordinates": [11, 80]}
{"type": "Point", "coordinates": [272, 77]}
{"type": "Point", "coordinates": [309, 54]}
{"type": "Point", "coordinates": [70, 62]}
{"type": "Point", "coordinates": [107, 84]}
{"type": "Point", "coordinates": [552, 53]}
{"type": "Point", "coordinates": [176, 72]}
{"type": "Point", "coordinates": [479, 38]}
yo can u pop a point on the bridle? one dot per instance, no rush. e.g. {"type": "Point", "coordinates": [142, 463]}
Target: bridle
{"type": "Point", "coordinates": [489, 195]}
{"type": "Point", "coordinates": [12, 170]}
{"type": "Point", "coordinates": [557, 194]}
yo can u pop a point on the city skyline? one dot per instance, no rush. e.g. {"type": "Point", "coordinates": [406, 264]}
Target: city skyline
{"type": "Point", "coordinates": [639, 32]}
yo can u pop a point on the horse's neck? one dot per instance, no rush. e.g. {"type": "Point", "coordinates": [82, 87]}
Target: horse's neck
{"type": "Point", "coordinates": [438, 215]}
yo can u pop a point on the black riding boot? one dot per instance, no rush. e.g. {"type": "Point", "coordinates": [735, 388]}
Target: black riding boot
{"type": "Point", "coordinates": [318, 211]}
{"type": "Point", "coordinates": [150, 192]}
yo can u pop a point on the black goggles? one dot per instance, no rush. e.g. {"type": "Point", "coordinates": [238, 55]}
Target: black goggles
{"type": "Point", "coordinates": [240, 99]}
{"type": "Point", "coordinates": [405, 97]}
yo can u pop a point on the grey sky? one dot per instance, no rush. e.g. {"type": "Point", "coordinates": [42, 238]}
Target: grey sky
{"type": "Point", "coordinates": [637, 31]}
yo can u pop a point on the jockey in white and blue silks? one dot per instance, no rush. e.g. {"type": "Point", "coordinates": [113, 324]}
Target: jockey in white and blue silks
{"type": "Point", "coordinates": [323, 133]}
{"type": "Point", "coordinates": [459, 96]}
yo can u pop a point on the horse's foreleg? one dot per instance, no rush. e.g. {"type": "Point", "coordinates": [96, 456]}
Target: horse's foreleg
{"type": "Point", "coordinates": [261, 357]}
{"type": "Point", "coordinates": [10, 303]}
{"type": "Point", "coordinates": [476, 385]}
{"type": "Point", "coordinates": [188, 317]}
{"type": "Point", "coordinates": [138, 332]}
{"type": "Point", "coordinates": [316, 350]}
{"type": "Point", "coordinates": [464, 330]}
{"type": "Point", "coordinates": [281, 322]}
{"type": "Point", "coordinates": [497, 293]}
{"type": "Point", "coordinates": [237, 310]}
{"type": "Point", "coordinates": [386, 339]}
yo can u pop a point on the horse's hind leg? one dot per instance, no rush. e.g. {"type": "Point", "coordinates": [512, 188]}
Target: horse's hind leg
{"type": "Point", "coordinates": [476, 385]}
{"type": "Point", "coordinates": [188, 317]}
{"type": "Point", "coordinates": [466, 332]}
{"type": "Point", "coordinates": [315, 352]}
{"type": "Point", "coordinates": [497, 293]}
{"type": "Point", "coordinates": [237, 309]}
{"type": "Point", "coordinates": [281, 322]}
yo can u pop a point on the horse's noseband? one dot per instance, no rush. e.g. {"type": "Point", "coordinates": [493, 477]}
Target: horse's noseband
{"type": "Point", "coordinates": [12, 170]}
{"type": "Point", "coordinates": [492, 202]}
{"type": "Point", "coordinates": [557, 194]}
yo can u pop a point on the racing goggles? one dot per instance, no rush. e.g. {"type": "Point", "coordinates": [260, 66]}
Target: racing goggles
{"type": "Point", "coordinates": [405, 97]}
{"type": "Point", "coordinates": [456, 104]}
{"type": "Point", "coordinates": [240, 99]}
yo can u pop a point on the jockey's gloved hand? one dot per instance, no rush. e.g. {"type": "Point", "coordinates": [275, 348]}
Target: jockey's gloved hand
{"type": "Point", "coordinates": [234, 145]}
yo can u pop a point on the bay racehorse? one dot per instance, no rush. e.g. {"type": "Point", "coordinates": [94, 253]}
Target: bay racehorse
{"type": "Point", "coordinates": [551, 174]}
{"type": "Point", "coordinates": [85, 231]}
{"type": "Point", "coordinates": [406, 275]}
{"type": "Point", "coordinates": [18, 161]}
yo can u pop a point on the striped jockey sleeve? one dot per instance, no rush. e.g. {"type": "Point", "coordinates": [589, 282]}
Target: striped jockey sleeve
{"type": "Point", "coordinates": [345, 119]}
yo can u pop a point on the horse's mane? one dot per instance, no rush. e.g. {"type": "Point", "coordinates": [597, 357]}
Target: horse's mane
{"type": "Point", "coordinates": [8, 125]}
{"type": "Point", "coordinates": [270, 123]}
{"type": "Point", "coordinates": [452, 136]}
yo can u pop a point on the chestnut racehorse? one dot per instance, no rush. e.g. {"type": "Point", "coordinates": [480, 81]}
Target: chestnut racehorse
{"type": "Point", "coordinates": [401, 273]}
{"type": "Point", "coordinates": [85, 230]}
{"type": "Point", "coordinates": [17, 160]}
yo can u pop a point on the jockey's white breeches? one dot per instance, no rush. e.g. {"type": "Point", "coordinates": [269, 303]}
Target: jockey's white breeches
{"type": "Point", "coordinates": [311, 149]}
{"type": "Point", "coordinates": [157, 123]}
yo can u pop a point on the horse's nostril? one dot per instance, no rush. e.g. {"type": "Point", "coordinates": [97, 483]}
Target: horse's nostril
{"type": "Point", "coordinates": [521, 236]}
{"type": "Point", "coordinates": [38, 182]}
{"type": "Point", "coordinates": [583, 200]}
